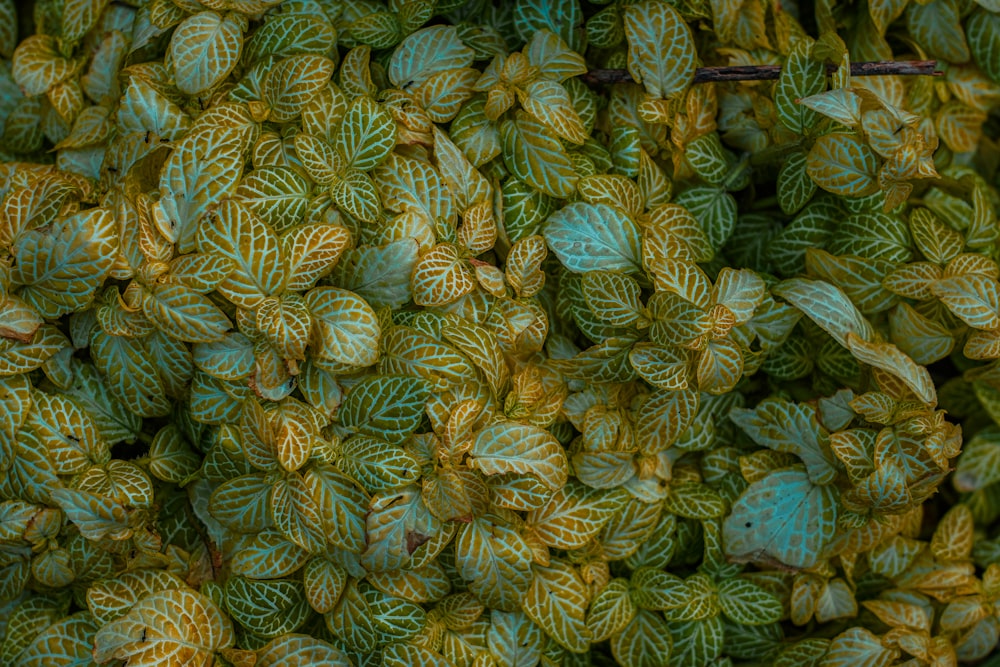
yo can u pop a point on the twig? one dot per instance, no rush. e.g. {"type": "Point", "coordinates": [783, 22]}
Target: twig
{"type": "Point", "coordinates": [768, 72]}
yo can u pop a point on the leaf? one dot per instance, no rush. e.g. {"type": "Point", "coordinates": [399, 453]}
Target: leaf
{"type": "Point", "coordinates": [536, 157]}
{"type": "Point", "coordinates": [828, 307]}
{"type": "Point", "coordinates": [367, 134]}
{"type": "Point", "coordinates": [790, 427]}
{"type": "Point", "coordinates": [557, 601]}
{"type": "Point", "coordinates": [747, 603]}
{"type": "Point", "coordinates": [184, 314]}
{"type": "Point", "coordinates": [574, 515]}
{"type": "Point", "coordinates": [60, 267]}
{"type": "Point", "coordinates": [385, 406]}
{"type": "Point", "coordinates": [409, 352]}
{"type": "Point", "coordinates": [645, 641]}
{"type": "Point", "coordinates": [610, 610]}
{"type": "Point", "coordinates": [292, 82]}
{"type": "Point", "coordinates": [983, 32]}
{"type": "Point", "coordinates": [782, 518]}
{"type": "Point", "coordinates": [295, 513]}
{"type": "Point", "coordinates": [524, 449]}
{"type": "Point", "coordinates": [613, 298]}
{"type": "Point", "coordinates": [588, 237]}
{"type": "Point", "coordinates": [377, 465]}
{"type": "Point", "coordinates": [204, 49]}
{"type": "Point", "coordinates": [440, 277]}
{"type": "Point", "coordinates": [242, 503]}
{"type": "Point", "coordinates": [96, 516]}
{"type": "Point", "coordinates": [495, 561]}
{"type": "Point", "coordinates": [801, 77]}
{"type": "Point", "coordinates": [311, 252]}
{"type": "Point", "coordinates": [427, 52]}
{"type": "Point", "coordinates": [290, 650]}
{"type": "Point", "coordinates": [972, 297]}
{"type": "Point", "coordinates": [858, 646]}
{"type": "Point", "coordinates": [203, 167]}
{"type": "Point", "coordinates": [66, 643]}
{"type": "Point", "coordinates": [661, 51]}
{"type": "Point", "coordinates": [549, 103]}
{"type": "Point", "coordinates": [38, 65]}
{"type": "Point", "coordinates": [843, 164]}
{"type": "Point", "coordinates": [267, 608]}
{"type": "Point", "coordinates": [345, 328]}
{"type": "Point", "coordinates": [891, 359]}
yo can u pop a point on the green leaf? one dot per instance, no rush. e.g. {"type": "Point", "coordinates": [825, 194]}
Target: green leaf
{"type": "Point", "coordinates": [345, 328]}
{"type": "Point", "coordinates": [68, 642]}
{"type": "Point", "coordinates": [589, 237]}
{"type": "Point", "coordinates": [397, 523]}
{"type": "Point", "coordinates": [661, 51]}
{"type": "Point", "coordinates": [292, 82]}
{"type": "Point", "coordinates": [291, 650]}
{"type": "Point", "coordinates": [184, 314]}
{"type": "Point", "coordinates": [514, 639]}
{"type": "Point", "coordinates": [795, 187]}
{"type": "Point", "coordinates": [747, 603]}
{"type": "Point", "coordinates": [613, 298]}
{"type": "Point", "coordinates": [783, 518]}
{"type": "Point", "coordinates": [96, 516]}
{"type": "Point", "coordinates": [341, 506]}
{"type": "Point", "coordinates": [562, 17]}
{"type": "Point", "coordinates": [385, 406]}
{"type": "Point", "coordinates": [376, 464]}
{"type": "Point", "coordinates": [574, 514]}
{"type": "Point", "coordinates": [267, 608]}
{"type": "Point", "coordinates": [537, 157]}
{"type": "Point", "coordinates": [983, 32]}
{"type": "Point", "coordinates": [557, 601]}
{"type": "Point", "coordinates": [844, 165]}
{"type": "Point", "coordinates": [510, 447]}
{"type": "Point", "coordinates": [801, 76]}
{"type": "Point", "coordinates": [784, 426]}
{"type": "Point", "coordinates": [234, 232]}
{"type": "Point", "coordinates": [168, 625]}
{"type": "Point", "coordinates": [367, 134]}
{"type": "Point", "coordinates": [972, 297]}
{"type": "Point", "coordinates": [205, 48]}
{"type": "Point", "coordinates": [891, 359]}
{"type": "Point", "coordinates": [427, 52]}
{"type": "Point", "coordinates": [60, 266]}
{"type": "Point", "coordinates": [827, 306]}
{"type": "Point", "coordinates": [644, 642]}
{"type": "Point", "coordinates": [495, 561]}
{"type": "Point", "coordinates": [549, 103]}
{"type": "Point", "coordinates": [610, 610]}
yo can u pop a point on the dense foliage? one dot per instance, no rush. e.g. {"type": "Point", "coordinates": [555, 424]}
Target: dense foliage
{"type": "Point", "coordinates": [361, 333]}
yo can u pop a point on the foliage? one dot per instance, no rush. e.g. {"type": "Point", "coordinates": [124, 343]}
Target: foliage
{"type": "Point", "coordinates": [381, 333]}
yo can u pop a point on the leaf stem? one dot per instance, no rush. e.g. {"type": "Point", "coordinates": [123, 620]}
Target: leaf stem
{"type": "Point", "coordinates": [770, 72]}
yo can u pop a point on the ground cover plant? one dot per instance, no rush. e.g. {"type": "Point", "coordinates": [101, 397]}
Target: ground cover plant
{"type": "Point", "coordinates": [466, 334]}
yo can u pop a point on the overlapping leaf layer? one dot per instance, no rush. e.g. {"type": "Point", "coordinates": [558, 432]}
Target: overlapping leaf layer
{"type": "Point", "coordinates": [387, 333]}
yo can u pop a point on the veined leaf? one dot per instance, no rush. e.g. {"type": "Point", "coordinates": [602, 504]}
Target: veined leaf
{"type": "Point", "coordinates": [557, 600]}
{"type": "Point", "coordinates": [587, 237]}
{"type": "Point", "coordinates": [661, 52]}
{"type": "Point", "coordinates": [844, 165]}
{"type": "Point", "coordinates": [60, 267]}
{"type": "Point", "coordinates": [205, 48]}
{"type": "Point", "coordinates": [184, 314]}
{"type": "Point", "coordinates": [536, 157]}
{"type": "Point", "coordinates": [782, 518]}
{"type": "Point", "coordinates": [345, 328]}
{"type": "Point", "coordinates": [520, 448]}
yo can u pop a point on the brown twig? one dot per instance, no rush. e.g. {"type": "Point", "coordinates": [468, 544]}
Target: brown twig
{"type": "Point", "coordinates": [769, 72]}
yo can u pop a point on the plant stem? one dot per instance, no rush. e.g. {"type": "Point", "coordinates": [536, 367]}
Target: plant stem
{"type": "Point", "coordinates": [769, 72]}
